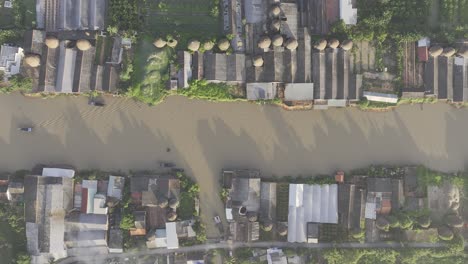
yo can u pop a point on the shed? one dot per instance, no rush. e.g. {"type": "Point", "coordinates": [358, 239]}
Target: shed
{"type": "Point", "coordinates": [381, 97]}
{"type": "Point", "coordinates": [299, 92]}
{"type": "Point", "coordinates": [261, 91]}
{"type": "Point", "coordinates": [58, 172]}
{"type": "Point", "coordinates": [115, 241]}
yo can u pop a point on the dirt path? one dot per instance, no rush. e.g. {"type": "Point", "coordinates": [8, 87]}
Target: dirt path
{"type": "Point", "coordinates": [205, 137]}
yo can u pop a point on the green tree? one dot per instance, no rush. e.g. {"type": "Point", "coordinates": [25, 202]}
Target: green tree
{"type": "Point", "coordinates": [128, 222]}
{"type": "Point", "coordinates": [23, 258]}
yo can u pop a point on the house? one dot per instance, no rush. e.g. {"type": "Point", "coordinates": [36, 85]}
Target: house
{"type": "Point", "coordinates": [47, 199]}
{"type": "Point", "coordinates": [276, 256]}
{"type": "Point", "coordinates": [10, 60]}
{"type": "Point", "coordinates": [310, 203]}
{"type": "Point", "coordinates": [140, 224]}
{"type": "Point", "coordinates": [15, 191]}
{"type": "Point", "coordinates": [423, 49]}
{"type": "Point", "coordinates": [157, 239]}
{"type": "Point", "coordinates": [261, 91]}
{"type": "Point", "coordinates": [382, 195]}
{"type": "Point", "coordinates": [115, 241]}
{"type": "Point", "coordinates": [115, 187]}
{"type": "Point", "coordinates": [92, 202]}
{"type": "Point", "coordinates": [299, 92]}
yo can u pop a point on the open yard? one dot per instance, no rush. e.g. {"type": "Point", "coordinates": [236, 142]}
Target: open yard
{"type": "Point", "coordinates": [151, 71]}
{"type": "Point", "coordinates": [183, 19]}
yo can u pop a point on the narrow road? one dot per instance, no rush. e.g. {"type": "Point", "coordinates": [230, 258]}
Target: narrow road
{"type": "Point", "coordinates": [225, 245]}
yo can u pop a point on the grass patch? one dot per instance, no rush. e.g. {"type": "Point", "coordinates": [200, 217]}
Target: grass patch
{"type": "Point", "coordinates": [202, 89]}
{"type": "Point", "coordinates": [151, 72]}
{"type": "Point", "coordinates": [424, 100]}
{"type": "Point", "coordinates": [370, 105]}
{"type": "Point", "coordinates": [186, 206]}
{"type": "Point", "coordinates": [183, 18]}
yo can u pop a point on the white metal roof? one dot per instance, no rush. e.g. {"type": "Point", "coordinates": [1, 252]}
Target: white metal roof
{"type": "Point", "coordinates": [171, 234]}
{"type": "Point", "coordinates": [370, 211]}
{"type": "Point", "coordinates": [381, 97]}
{"type": "Point", "coordinates": [299, 91]}
{"type": "Point", "coordinates": [57, 172]}
{"type": "Point", "coordinates": [310, 203]}
{"type": "Point", "coordinates": [347, 12]}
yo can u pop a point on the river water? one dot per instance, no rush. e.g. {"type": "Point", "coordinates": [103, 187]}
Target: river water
{"type": "Point", "coordinates": [205, 137]}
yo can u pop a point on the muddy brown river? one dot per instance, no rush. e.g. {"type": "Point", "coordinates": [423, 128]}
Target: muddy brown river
{"type": "Point", "coordinates": [205, 137]}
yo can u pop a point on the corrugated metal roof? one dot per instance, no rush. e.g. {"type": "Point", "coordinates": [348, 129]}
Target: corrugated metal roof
{"type": "Point", "coordinates": [310, 203]}
{"type": "Point", "coordinates": [299, 91]}
{"type": "Point", "coordinates": [171, 233]}
{"type": "Point", "coordinates": [58, 172]}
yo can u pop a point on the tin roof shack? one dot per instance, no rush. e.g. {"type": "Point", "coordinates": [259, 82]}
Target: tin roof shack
{"type": "Point", "coordinates": [115, 241]}
{"type": "Point", "coordinates": [221, 67]}
{"type": "Point", "coordinates": [445, 77]}
{"type": "Point", "coordinates": [55, 15]}
{"type": "Point", "coordinates": [382, 195]}
{"type": "Point", "coordinates": [310, 203]}
{"type": "Point", "coordinates": [47, 200]}
{"type": "Point", "coordinates": [299, 92]}
{"type": "Point", "coordinates": [351, 206]}
{"type": "Point", "coordinates": [10, 60]}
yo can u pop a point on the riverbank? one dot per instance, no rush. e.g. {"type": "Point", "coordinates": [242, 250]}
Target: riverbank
{"type": "Point", "coordinates": [205, 137]}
